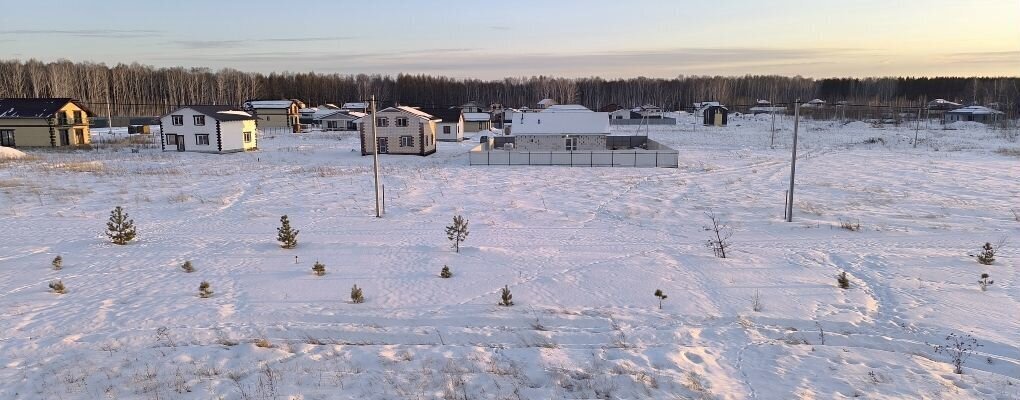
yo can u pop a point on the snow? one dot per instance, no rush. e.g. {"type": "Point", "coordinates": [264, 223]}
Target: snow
{"type": "Point", "coordinates": [355, 106]}
{"type": "Point", "coordinates": [9, 153]}
{"type": "Point", "coordinates": [235, 112]}
{"type": "Point", "coordinates": [582, 249]}
{"type": "Point", "coordinates": [415, 111]}
{"type": "Point", "coordinates": [558, 123]}
{"type": "Point", "coordinates": [975, 110]}
{"type": "Point", "coordinates": [476, 116]}
{"type": "Point", "coordinates": [566, 108]}
{"type": "Point", "coordinates": [270, 103]}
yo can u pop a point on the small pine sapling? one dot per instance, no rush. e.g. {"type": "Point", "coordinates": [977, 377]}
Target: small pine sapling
{"type": "Point", "coordinates": [987, 256]}
{"type": "Point", "coordinates": [985, 282]}
{"type": "Point", "coordinates": [662, 296]}
{"type": "Point", "coordinates": [843, 280]}
{"type": "Point", "coordinates": [204, 290]}
{"type": "Point", "coordinates": [506, 298]}
{"type": "Point", "coordinates": [958, 348]}
{"type": "Point", "coordinates": [58, 287]}
{"type": "Point", "coordinates": [721, 233]}
{"type": "Point", "coordinates": [286, 235]}
{"type": "Point", "coordinates": [319, 268]}
{"type": "Point", "coordinates": [187, 267]}
{"type": "Point", "coordinates": [445, 273]}
{"type": "Point", "coordinates": [457, 232]}
{"type": "Point", "coordinates": [357, 296]}
{"type": "Point", "coordinates": [58, 262]}
{"type": "Point", "coordinates": [120, 229]}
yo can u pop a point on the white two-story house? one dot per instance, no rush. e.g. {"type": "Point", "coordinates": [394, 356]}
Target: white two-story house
{"type": "Point", "coordinates": [208, 129]}
{"type": "Point", "coordinates": [400, 130]}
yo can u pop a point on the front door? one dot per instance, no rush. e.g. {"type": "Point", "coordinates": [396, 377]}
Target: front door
{"type": "Point", "coordinates": [65, 137]}
{"type": "Point", "coordinates": [79, 136]}
{"type": "Point", "coordinates": [180, 143]}
{"type": "Point", "coordinates": [384, 145]}
{"type": "Point", "coordinates": [7, 137]}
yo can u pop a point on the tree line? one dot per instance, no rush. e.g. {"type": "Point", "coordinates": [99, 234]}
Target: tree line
{"type": "Point", "coordinates": [136, 89]}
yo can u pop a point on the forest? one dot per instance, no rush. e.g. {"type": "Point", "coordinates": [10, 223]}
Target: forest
{"type": "Point", "coordinates": [137, 89]}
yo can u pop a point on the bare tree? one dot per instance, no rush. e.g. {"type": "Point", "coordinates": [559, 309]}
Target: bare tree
{"type": "Point", "coordinates": [958, 348]}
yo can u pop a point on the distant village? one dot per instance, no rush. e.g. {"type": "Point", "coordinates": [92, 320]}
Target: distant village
{"type": "Point", "coordinates": [544, 133]}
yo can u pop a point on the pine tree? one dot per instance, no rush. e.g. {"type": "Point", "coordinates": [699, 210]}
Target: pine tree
{"type": "Point", "coordinates": [985, 282]}
{"type": "Point", "coordinates": [987, 256]}
{"type": "Point", "coordinates": [356, 295]}
{"type": "Point", "coordinates": [58, 262]}
{"type": "Point", "coordinates": [285, 235]}
{"type": "Point", "coordinates": [58, 287]}
{"type": "Point", "coordinates": [457, 232]}
{"type": "Point", "coordinates": [662, 296]}
{"type": "Point", "coordinates": [445, 273]}
{"type": "Point", "coordinates": [204, 290]}
{"type": "Point", "coordinates": [842, 280]}
{"type": "Point", "coordinates": [319, 268]}
{"type": "Point", "coordinates": [187, 267]}
{"type": "Point", "coordinates": [120, 229]}
{"type": "Point", "coordinates": [506, 298]}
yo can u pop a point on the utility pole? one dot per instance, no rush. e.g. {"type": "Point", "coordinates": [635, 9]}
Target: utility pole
{"type": "Point", "coordinates": [375, 164]}
{"type": "Point", "coordinates": [793, 161]}
{"type": "Point", "coordinates": [772, 110]}
{"type": "Point", "coordinates": [917, 126]}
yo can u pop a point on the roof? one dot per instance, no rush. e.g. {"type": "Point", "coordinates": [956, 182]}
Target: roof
{"type": "Point", "coordinates": [547, 102]}
{"type": "Point", "coordinates": [974, 110]}
{"type": "Point", "coordinates": [708, 104]}
{"type": "Point", "coordinates": [36, 107]}
{"type": "Point", "coordinates": [591, 123]}
{"type": "Point", "coordinates": [447, 114]}
{"type": "Point", "coordinates": [476, 116]}
{"type": "Point", "coordinates": [411, 110]}
{"type": "Point", "coordinates": [355, 105]}
{"type": "Point", "coordinates": [338, 115]}
{"type": "Point", "coordinates": [269, 103]}
{"type": "Point", "coordinates": [220, 113]}
{"type": "Point", "coordinates": [610, 107]}
{"type": "Point", "coordinates": [566, 108]}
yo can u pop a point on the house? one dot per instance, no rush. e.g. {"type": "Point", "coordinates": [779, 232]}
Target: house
{"type": "Point", "coordinates": [276, 114]}
{"type": "Point", "coordinates": [208, 129]}
{"type": "Point", "coordinates": [973, 113]}
{"type": "Point", "coordinates": [816, 103]}
{"type": "Point", "coordinates": [477, 122]}
{"type": "Point", "coordinates": [622, 113]}
{"type": "Point", "coordinates": [338, 120]}
{"type": "Point", "coordinates": [44, 122]}
{"type": "Point", "coordinates": [450, 127]}
{"type": "Point", "coordinates": [649, 111]}
{"type": "Point", "coordinates": [766, 107]}
{"type": "Point", "coordinates": [545, 103]}
{"type": "Point", "coordinates": [471, 107]}
{"type": "Point", "coordinates": [563, 131]}
{"type": "Point", "coordinates": [712, 113]}
{"type": "Point", "coordinates": [400, 130]}
{"type": "Point", "coordinates": [566, 108]}
{"type": "Point", "coordinates": [359, 107]}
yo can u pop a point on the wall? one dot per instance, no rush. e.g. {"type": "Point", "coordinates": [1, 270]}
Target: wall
{"type": "Point", "coordinates": [456, 132]}
{"type": "Point", "coordinates": [277, 117]}
{"type": "Point", "coordinates": [476, 126]}
{"type": "Point", "coordinates": [230, 133]}
{"type": "Point", "coordinates": [649, 121]}
{"type": "Point", "coordinates": [558, 142]}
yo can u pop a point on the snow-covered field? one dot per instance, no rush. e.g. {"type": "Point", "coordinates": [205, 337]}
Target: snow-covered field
{"type": "Point", "coordinates": [582, 250]}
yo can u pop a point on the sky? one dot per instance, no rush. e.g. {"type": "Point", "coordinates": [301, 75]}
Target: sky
{"type": "Point", "coordinates": [491, 40]}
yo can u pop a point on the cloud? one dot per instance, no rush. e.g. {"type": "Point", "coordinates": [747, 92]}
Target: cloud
{"type": "Point", "coordinates": [226, 44]}
{"type": "Point", "coordinates": [88, 33]}
{"type": "Point", "coordinates": [985, 57]}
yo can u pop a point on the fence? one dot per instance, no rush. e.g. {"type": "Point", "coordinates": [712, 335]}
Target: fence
{"type": "Point", "coordinates": [646, 121]}
{"type": "Point", "coordinates": [656, 155]}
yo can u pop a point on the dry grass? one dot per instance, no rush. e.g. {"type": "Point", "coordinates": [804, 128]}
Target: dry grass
{"type": "Point", "coordinates": [96, 167]}
{"type": "Point", "coordinates": [1009, 151]}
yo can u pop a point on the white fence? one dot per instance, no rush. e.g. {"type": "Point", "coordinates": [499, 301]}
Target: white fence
{"type": "Point", "coordinates": [481, 155]}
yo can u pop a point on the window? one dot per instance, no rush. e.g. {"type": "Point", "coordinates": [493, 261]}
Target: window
{"type": "Point", "coordinates": [267, 118]}
{"type": "Point", "coordinates": [401, 122]}
{"type": "Point", "coordinates": [446, 129]}
{"type": "Point", "coordinates": [247, 137]}
{"type": "Point", "coordinates": [406, 141]}
{"type": "Point", "coordinates": [382, 121]}
{"type": "Point", "coordinates": [202, 139]}
{"type": "Point", "coordinates": [61, 117]}
{"type": "Point", "coordinates": [77, 117]}
{"type": "Point", "coordinates": [7, 137]}
{"type": "Point", "coordinates": [177, 120]}
{"type": "Point", "coordinates": [330, 124]}
{"type": "Point", "coordinates": [199, 120]}
{"type": "Point", "coordinates": [571, 144]}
